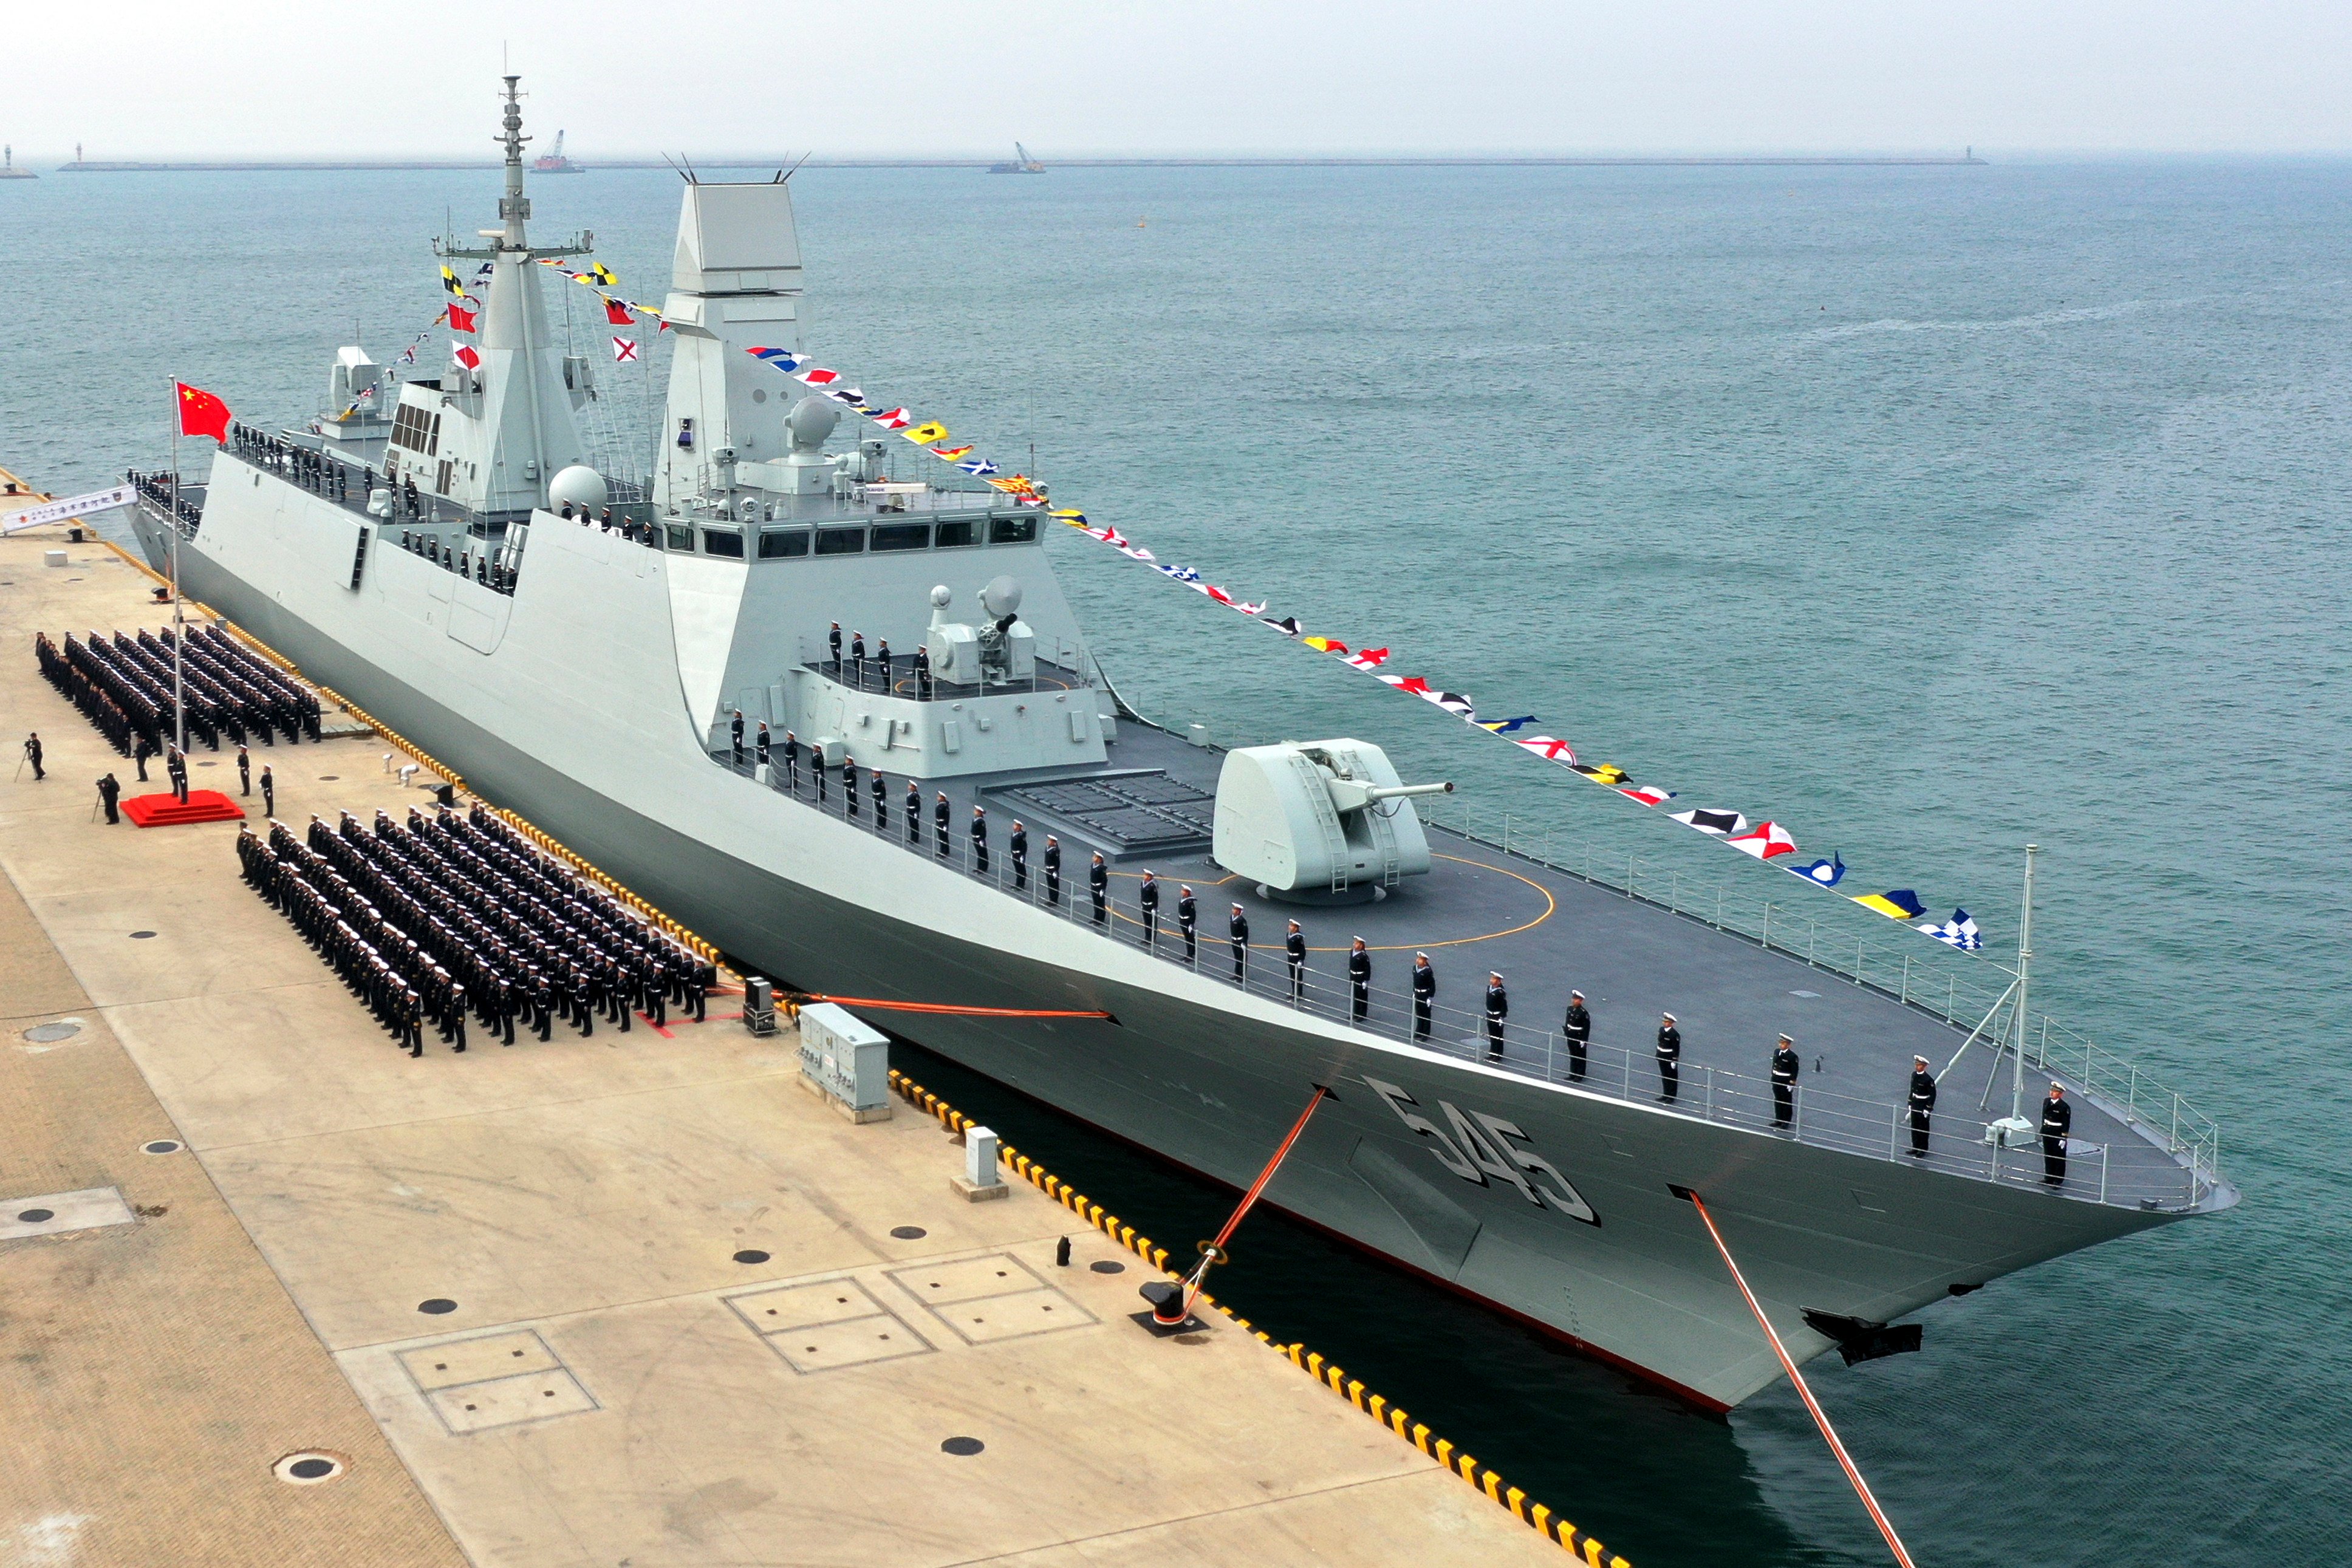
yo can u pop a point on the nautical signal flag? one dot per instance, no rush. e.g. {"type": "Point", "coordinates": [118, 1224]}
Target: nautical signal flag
{"type": "Point", "coordinates": [818, 376]}
{"type": "Point", "coordinates": [925, 433]}
{"type": "Point", "coordinates": [619, 314]}
{"type": "Point", "coordinates": [1607, 773]}
{"type": "Point", "coordinates": [1897, 904]}
{"type": "Point", "coordinates": [893, 418]}
{"type": "Point", "coordinates": [604, 275]}
{"type": "Point", "coordinates": [465, 355]}
{"type": "Point", "coordinates": [624, 349]}
{"type": "Point", "coordinates": [784, 359]}
{"type": "Point", "coordinates": [945, 453]}
{"type": "Point", "coordinates": [1507, 725]}
{"type": "Point", "coordinates": [1648, 794]}
{"type": "Point", "coordinates": [1286, 624]}
{"type": "Point", "coordinates": [1960, 931]}
{"type": "Point", "coordinates": [1828, 872]}
{"type": "Point", "coordinates": [1766, 840]}
{"type": "Point", "coordinates": [1722, 824]}
{"type": "Point", "coordinates": [1325, 645]}
{"type": "Point", "coordinates": [202, 413]}
{"type": "Point", "coordinates": [449, 281]}
{"type": "Point", "coordinates": [1545, 747]}
{"type": "Point", "coordinates": [463, 320]}
{"type": "Point", "coordinates": [976, 466]}
{"type": "Point", "coordinates": [1367, 658]}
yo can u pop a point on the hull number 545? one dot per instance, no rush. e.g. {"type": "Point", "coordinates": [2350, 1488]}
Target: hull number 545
{"type": "Point", "coordinates": [1479, 1146]}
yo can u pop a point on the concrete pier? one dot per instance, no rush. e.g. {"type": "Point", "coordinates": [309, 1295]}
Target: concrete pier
{"type": "Point", "coordinates": [630, 1300]}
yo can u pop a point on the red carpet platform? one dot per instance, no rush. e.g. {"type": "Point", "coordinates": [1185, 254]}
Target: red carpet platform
{"type": "Point", "coordinates": [165, 811]}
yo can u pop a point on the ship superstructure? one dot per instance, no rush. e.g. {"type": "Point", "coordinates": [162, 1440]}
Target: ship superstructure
{"type": "Point", "coordinates": [589, 669]}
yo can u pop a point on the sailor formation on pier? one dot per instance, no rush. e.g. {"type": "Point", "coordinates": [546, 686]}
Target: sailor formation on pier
{"type": "Point", "coordinates": [455, 915]}
{"type": "Point", "coordinates": [123, 685]}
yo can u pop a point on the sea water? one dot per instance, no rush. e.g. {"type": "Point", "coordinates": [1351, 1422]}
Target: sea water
{"type": "Point", "coordinates": [1925, 512]}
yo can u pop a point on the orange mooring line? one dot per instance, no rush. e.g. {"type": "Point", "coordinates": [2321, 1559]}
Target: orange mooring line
{"type": "Point", "coordinates": [951, 1007]}
{"type": "Point", "coordinates": [1821, 1419]}
{"type": "Point", "coordinates": [1215, 1249]}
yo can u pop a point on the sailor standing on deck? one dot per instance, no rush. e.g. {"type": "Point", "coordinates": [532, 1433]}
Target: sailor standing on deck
{"type": "Point", "coordinates": [1188, 917]}
{"type": "Point", "coordinates": [980, 839]}
{"type": "Point", "coordinates": [1294, 953]}
{"type": "Point", "coordinates": [1359, 980]}
{"type": "Point", "coordinates": [1785, 1068]}
{"type": "Point", "coordinates": [760, 745]}
{"type": "Point", "coordinates": [939, 817]}
{"type": "Point", "coordinates": [1099, 888]}
{"type": "Point", "coordinates": [1149, 897]}
{"type": "Point", "coordinates": [2057, 1118]}
{"type": "Point", "coordinates": [735, 736]}
{"type": "Point", "coordinates": [881, 803]}
{"type": "Point", "coordinates": [922, 672]}
{"type": "Point", "coordinates": [857, 660]}
{"type": "Point", "coordinates": [1424, 994]}
{"type": "Point", "coordinates": [1670, 1058]}
{"type": "Point", "coordinates": [1923, 1103]}
{"type": "Point", "coordinates": [1498, 1008]}
{"type": "Point", "coordinates": [849, 785]}
{"type": "Point", "coordinates": [244, 771]}
{"type": "Point", "coordinates": [1239, 928]}
{"type": "Point", "coordinates": [833, 640]}
{"type": "Point", "coordinates": [1020, 846]}
{"type": "Point", "coordinates": [914, 813]}
{"type": "Point", "coordinates": [791, 762]}
{"type": "Point", "coordinates": [1576, 1027]}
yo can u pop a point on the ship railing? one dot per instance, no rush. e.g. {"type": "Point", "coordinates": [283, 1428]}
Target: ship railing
{"type": "Point", "coordinates": [2138, 1174]}
{"type": "Point", "coordinates": [1959, 989]}
{"type": "Point", "coordinates": [1063, 671]}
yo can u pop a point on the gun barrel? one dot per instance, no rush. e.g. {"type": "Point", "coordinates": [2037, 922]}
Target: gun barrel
{"type": "Point", "coordinates": [1401, 791]}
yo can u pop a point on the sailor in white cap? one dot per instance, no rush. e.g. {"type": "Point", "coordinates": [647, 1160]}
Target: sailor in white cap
{"type": "Point", "coordinates": [1923, 1103]}
{"type": "Point", "coordinates": [1785, 1068]}
{"type": "Point", "coordinates": [1424, 991]}
{"type": "Point", "coordinates": [1670, 1058]}
{"type": "Point", "coordinates": [2057, 1117]}
{"type": "Point", "coordinates": [1576, 1029]}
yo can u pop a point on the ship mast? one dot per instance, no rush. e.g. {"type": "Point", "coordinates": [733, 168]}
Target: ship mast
{"type": "Point", "coordinates": [514, 207]}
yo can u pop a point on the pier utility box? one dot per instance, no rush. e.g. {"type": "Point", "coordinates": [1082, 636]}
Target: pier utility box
{"type": "Point", "coordinates": [846, 1061]}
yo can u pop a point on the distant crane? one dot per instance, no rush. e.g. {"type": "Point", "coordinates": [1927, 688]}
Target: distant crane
{"type": "Point", "coordinates": [554, 163]}
{"type": "Point", "coordinates": [1022, 162]}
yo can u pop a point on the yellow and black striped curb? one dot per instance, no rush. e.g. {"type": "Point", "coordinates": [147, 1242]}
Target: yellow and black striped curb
{"type": "Point", "coordinates": [399, 742]}
{"type": "Point", "coordinates": [1495, 1490]}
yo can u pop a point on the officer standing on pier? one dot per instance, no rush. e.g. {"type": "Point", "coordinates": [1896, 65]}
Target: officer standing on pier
{"type": "Point", "coordinates": [1785, 1068]}
{"type": "Point", "coordinates": [175, 766]}
{"type": "Point", "coordinates": [1188, 917]}
{"type": "Point", "coordinates": [1498, 1008]}
{"type": "Point", "coordinates": [1239, 927]}
{"type": "Point", "coordinates": [1424, 994]}
{"type": "Point", "coordinates": [980, 839]}
{"type": "Point", "coordinates": [2057, 1118]}
{"type": "Point", "coordinates": [268, 793]}
{"type": "Point", "coordinates": [1359, 980]}
{"type": "Point", "coordinates": [1053, 871]}
{"type": "Point", "coordinates": [1149, 897]}
{"type": "Point", "coordinates": [1576, 1027]}
{"type": "Point", "coordinates": [1923, 1103]}
{"type": "Point", "coordinates": [1670, 1058]}
{"type": "Point", "coordinates": [108, 791]}
{"type": "Point", "coordinates": [1020, 846]}
{"type": "Point", "coordinates": [940, 816]}
{"type": "Point", "coordinates": [1294, 953]}
{"type": "Point", "coordinates": [140, 753]}
{"type": "Point", "coordinates": [244, 771]}
{"type": "Point", "coordinates": [1099, 888]}
{"type": "Point", "coordinates": [791, 762]}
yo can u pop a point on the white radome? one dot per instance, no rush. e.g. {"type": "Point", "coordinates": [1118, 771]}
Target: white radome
{"type": "Point", "coordinates": [579, 484]}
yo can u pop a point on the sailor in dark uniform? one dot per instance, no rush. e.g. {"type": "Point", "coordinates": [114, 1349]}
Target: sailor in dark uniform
{"type": "Point", "coordinates": [760, 745]}
{"type": "Point", "coordinates": [1148, 896]}
{"type": "Point", "coordinates": [1294, 953]}
{"type": "Point", "coordinates": [940, 817]}
{"type": "Point", "coordinates": [1053, 871]}
{"type": "Point", "coordinates": [1498, 1008]}
{"type": "Point", "coordinates": [1188, 917]}
{"type": "Point", "coordinates": [2057, 1117]}
{"type": "Point", "coordinates": [816, 771]}
{"type": "Point", "coordinates": [1785, 1068]}
{"type": "Point", "coordinates": [244, 771]}
{"type": "Point", "coordinates": [268, 793]}
{"type": "Point", "coordinates": [1576, 1027]}
{"type": "Point", "coordinates": [1019, 844]}
{"type": "Point", "coordinates": [882, 662]}
{"type": "Point", "coordinates": [857, 660]}
{"type": "Point", "coordinates": [140, 752]}
{"type": "Point", "coordinates": [791, 762]}
{"type": "Point", "coordinates": [1359, 981]}
{"type": "Point", "coordinates": [881, 803]}
{"type": "Point", "coordinates": [1238, 927]}
{"type": "Point", "coordinates": [33, 754]}
{"type": "Point", "coordinates": [1099, 888]}
{"type": "Point", "coordinates": [832, 641]}
{"type": "Point", "coordinates": [542, 1004]}
{"type": "Point", "coordinates": [1424, 993]}
{"type": "Point", "coordinates": [175, 765]}
{"type": "Point", "coordinates": [849, 785]}
{"type": "Point", "coordinates": [922, 672]}
{"type": "Point", "coordinates": [698, 978]}
{"type": "Point", "coordinates": [1670, 1058]}
{"type": "Point", "coordinates": [914, 813]}
{"type": "Point", "coordinates": [107, 792]}
{"type": "Point", "coordinates": [735, 736]}
{"type": "Point", "coordinates": [1923, 1103]}
{"type": "Point", "coordinates": [980, 839]}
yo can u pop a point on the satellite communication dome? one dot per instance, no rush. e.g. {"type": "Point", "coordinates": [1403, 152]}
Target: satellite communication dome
{"type": "Point", "coordinates": [1001, 598]}
{"type": "Point", "coordinates": [811, 421]}
{"type": "Point", "coordinates": [579, 484]}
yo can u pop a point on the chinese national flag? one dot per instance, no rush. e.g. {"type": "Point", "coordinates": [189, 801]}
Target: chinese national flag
{"type": "Point", "coordinates": [202, 413]}
{"type": "Point", "coordinates": [462, 318]}
{"type": "Point", "coordinates": [618, 314]}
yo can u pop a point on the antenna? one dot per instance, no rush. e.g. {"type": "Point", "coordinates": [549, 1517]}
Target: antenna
{"type": "Point", "coordinates": [2024, 975]}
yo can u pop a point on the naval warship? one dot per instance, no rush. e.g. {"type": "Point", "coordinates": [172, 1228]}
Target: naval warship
{"type": "Point", "coordinates": [577, 649]}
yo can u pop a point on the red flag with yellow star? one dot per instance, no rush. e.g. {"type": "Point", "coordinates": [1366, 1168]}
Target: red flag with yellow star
{"type": "Point", "coordinates": [202, 413]}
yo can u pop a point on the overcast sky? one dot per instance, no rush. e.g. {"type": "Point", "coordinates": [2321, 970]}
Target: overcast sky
{"type": "Point", "coordinates": [163, 78]}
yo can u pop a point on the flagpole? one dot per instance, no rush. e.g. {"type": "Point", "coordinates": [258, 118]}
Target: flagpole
{"type": "Point", "coordinates": [179, 700]}
{"type": "Point", "coordinates": [2024, 970]}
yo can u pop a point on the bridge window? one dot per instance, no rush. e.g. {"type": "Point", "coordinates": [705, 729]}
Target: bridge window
{"type": "Point", "coordinates": [840, 541]}
{"type": "Point", "coordinates": [680, 537]}
{"type": "Point", "coordinates": [777, 543]}
{"type": "Point", "coordinates": [1013, 531]}
{"type": "Point", "coordinates": [723, 542]}
{"type": "Point", "coordinates": [953, 535]}
{"type": "Point", "coordinates": [902, 536]}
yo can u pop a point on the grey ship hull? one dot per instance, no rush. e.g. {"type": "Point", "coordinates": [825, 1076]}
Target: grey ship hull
{"type": "Point", "coordinates": [576, 721]}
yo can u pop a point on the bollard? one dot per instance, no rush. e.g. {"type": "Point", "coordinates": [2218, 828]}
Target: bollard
{"type": "Point", "coordinates": [980, 1181]}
